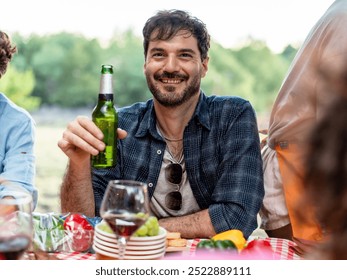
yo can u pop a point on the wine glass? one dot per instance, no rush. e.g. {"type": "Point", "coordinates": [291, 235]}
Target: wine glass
{"type": "Point", "coordinates": [125, 208]}
{"type": "Point", "coordinates": [16, 230]}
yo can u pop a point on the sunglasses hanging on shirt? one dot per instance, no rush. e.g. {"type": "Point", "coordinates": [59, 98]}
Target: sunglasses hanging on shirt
{"type": "Point", "coordinates": [174, 174]}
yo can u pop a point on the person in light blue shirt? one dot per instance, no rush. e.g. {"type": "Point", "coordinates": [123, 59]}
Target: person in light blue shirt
{"type": "Point", "coordinates": [17, 135]}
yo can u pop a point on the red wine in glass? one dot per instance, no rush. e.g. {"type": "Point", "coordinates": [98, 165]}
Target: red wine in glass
{"type": "Point", "coordinates": [123, 224]}
{"type": "Point", "coordinates": [12, 248]}
{"type": "Point", "coordinates": [16, 229]}
{"type": "Point", "coordinates": [122, 204]}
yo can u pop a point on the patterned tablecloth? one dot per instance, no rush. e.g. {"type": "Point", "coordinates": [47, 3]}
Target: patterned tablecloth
{"type": "Point", "coordinates": [282, 248]}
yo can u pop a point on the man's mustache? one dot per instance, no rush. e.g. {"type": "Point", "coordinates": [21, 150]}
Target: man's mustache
{"type": "Point", "coordinates": [167, 75]}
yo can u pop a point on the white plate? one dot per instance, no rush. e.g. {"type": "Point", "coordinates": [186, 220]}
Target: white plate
{"type": "Point", "coordinates": [143, 242]}
{"type": "Point", "coordinates": [113, 244]}
{"type": "Point", "coordinates": [161, 235]}
{"type": "Point", "coordinates": [129, 257]}
{"type": "Point", "coordinates": [131, 252]}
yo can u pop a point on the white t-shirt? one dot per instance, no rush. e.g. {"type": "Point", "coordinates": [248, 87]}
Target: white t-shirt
{"type": "Point", "coordinates": [157, 203]}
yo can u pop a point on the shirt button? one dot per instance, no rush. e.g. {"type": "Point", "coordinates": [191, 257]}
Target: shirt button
{"type": "Point", "coordinates": [150, 185]}
{"type": "Point", "coordinates": [159, 152]}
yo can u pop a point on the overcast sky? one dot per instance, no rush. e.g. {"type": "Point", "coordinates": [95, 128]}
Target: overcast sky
{"type": "Point", "coordinates": [277, 22]}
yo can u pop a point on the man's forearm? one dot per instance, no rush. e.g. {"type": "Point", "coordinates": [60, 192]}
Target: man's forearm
{"type": "Point", "coordinates": [190, 226]}
{"type": "Point", "coordinates": [76, 192]}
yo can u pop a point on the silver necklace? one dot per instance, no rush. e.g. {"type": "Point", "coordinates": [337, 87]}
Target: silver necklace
{"type": "Point", "coordinates": [167, 139]}
{"type": "Point", "coordinates": [179, 161]}
{"type": "Point", "coordinates": [180, 158]}
{"type": "Point", "coordinates": [172, 140]}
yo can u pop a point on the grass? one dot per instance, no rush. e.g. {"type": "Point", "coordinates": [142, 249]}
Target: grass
{"type": "Point", "coordinates": [50, 167]}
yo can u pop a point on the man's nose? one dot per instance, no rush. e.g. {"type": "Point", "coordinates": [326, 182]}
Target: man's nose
{"type": "Point", "coordinates": [171, 64]}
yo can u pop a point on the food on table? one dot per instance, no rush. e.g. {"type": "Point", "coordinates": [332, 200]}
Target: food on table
{"type": "Point", "coordinates": [63, 233]}
{"type": "Point", "coordinates": [173, 235]}
{"type": "Point", "coordinates": [180, 242]}
{"type": "Point", "coordinates": [105, 228]}
{"type": "Point", "coordinates": [232, 240]}
{"type": "Point", "coordinates": [210, 244]}
{"type": "Point", "coordinates": [259, 247]}
{"type": "Point", "coordinates": [77, 221]}
{"type": "Point", "coordinates": [173, 239]}
{"type": "Point", "coordinates": [49, 235]}
{"type": "Point", "coordinates": [224, 244]}
{"type": "Point", "coordinates": [149, 228]}
{"type": "Point", "coordinates": [205, 244]}
{"type": "Point", "coordinates": [80, 231]}
{"type": "Point", "coordinates": [234, 235]}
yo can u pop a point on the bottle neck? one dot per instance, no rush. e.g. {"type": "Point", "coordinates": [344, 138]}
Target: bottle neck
{"type": "Point", "coordinates": [106, 87]}
{"type": "Point", "coordinates": [106, 97]}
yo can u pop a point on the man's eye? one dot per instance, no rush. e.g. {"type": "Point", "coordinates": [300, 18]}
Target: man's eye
{"type": "Point", "coordinates": [158, 55]}
{"type": "Point", "coordinates": [186, 55]}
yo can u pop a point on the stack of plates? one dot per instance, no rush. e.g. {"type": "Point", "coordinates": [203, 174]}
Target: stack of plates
{"type": "Point", "coordinates": [138, 248]}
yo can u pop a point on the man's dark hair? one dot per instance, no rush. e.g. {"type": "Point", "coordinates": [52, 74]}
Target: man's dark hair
{"type": "Point", "coordinates": [6, 52]}
{"type": "Point", "coordinates": [168, 23]}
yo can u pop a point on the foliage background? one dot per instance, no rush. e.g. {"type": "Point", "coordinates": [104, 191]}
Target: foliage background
{"type": "Point", "coordinates": [63, 70]}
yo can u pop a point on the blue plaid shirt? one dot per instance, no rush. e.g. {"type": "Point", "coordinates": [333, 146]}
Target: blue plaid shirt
{"type": "Point", "coordinates": [221, 152]}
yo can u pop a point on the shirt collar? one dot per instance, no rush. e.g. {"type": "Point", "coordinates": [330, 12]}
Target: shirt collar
{"type": "Point", "coordinates": [202, 114]}
{"type": "Point", "coordinates": [148, 123]}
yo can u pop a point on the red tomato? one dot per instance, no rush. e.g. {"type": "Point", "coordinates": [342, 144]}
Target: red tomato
{"type": "Point", "coordinates": [80, 231]}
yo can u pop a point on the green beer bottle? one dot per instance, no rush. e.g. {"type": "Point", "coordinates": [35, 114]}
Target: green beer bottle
{"type": "Point", "coordinates": [106, 118]}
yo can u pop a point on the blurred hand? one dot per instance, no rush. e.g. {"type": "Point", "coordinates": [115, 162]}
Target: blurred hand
{"type": "Point", "coordinates": [83, 138]}
{"type": "Point", "coordinates": [5, 210]}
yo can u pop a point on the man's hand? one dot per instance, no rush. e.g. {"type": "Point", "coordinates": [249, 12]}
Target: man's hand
{"type": "Point", "coordinates": [83, 138]}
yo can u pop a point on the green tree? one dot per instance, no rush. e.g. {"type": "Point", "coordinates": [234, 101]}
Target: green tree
{"type": "Point", "coordinates": [18, 86]}
{"type": "Point", "coordinates": [268, 70]}
{"type": "Point", "coordinates": [66, 68]}
{"type": "Point", "coordinates": [289, 52]}
{"type": "Point", "coordinates": [226, 75]}
{"type": "Point", "coordinates": [125, 52]}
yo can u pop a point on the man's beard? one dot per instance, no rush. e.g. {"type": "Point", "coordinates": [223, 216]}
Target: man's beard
{"type": "Point", "coordinates": [174, 99]}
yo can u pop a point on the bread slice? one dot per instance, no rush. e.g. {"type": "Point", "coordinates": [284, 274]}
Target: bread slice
{"type": "Point", "coordinates": [173, 235]}
{"type": "Point", "coordinates": [179, 242]}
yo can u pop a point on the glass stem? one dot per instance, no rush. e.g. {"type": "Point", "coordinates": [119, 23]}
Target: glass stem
{"type": "Point", "coordinates": [122, 243]}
